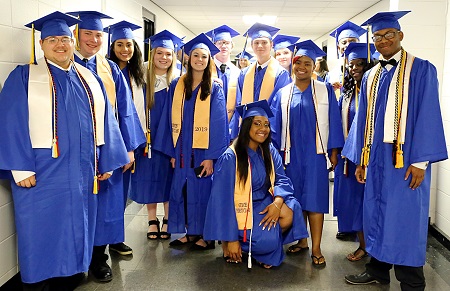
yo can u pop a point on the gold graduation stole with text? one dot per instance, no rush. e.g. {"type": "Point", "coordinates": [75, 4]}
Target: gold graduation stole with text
{"type": "Point", "coordinates": [202, 111]}
{"type": "Point", "coordinates": [243, 204]}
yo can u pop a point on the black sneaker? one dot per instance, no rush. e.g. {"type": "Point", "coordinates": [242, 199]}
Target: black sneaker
{"type": "Point", "coordinates": [362, 279]}
{"type": "Point", "coordinates": [121, 249]}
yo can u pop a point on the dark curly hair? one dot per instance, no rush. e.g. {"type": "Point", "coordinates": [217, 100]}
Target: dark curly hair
{"type": "Point", "coordinates": [135, 64]}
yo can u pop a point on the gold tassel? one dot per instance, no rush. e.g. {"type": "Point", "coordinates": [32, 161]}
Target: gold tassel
{"type": "Point", "coordinates": [147, 146]}
{"type": "Point", "coordinates": [133, 167]}
{"type": "Point", "coordinates": [33, 50]}
{"type": "Point", "coordinates": [95, 190]}
{"type": "Point", "coordinates": [365, 156]}
{"type": "Point", "coordinates": [77, 42]}
{"type": "Point", "coordinates": [55, 150]}
{"type": "Point", "coordinates": [399, 158]}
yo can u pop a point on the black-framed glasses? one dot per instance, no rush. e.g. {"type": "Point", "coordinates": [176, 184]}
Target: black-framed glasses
{"type": "Point", "coordinates": [388, 35]}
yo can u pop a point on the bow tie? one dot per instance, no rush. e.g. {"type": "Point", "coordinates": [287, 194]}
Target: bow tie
{"type": "Point", "coordinates": [391, 62]}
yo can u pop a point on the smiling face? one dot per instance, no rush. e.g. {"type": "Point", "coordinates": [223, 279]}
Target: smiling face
{"type": "Point", "coordinates": [90, 42]}
{"type": "Point", "coordinates": [284, 57]}
{"type": "Point", "coordinates": [303, 68]}
{"type": "Point", "coordinates": [388, 47]}
{"type": "Point", "coordinates": [124, 49]}
{"type": "Point", "coordinates": [356, 69]}
{"type": "Point", "coordinates": [162, 59]}
{"type": "Point", "coordinates": [199, 59]}
{"type": "Point", "coordinates": [225, 47]}
{"type": "Point", "coordinates": [58, 49]}
{"type": "Point", "coordinates": [259, 131]}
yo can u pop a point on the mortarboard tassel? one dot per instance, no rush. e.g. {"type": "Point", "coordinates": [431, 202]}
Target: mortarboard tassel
{"type": "Point", "coordinates": [109, 41]}
{"type": "Point", "coordinates": [182, 60]}
{"type": "Point", "coordinates": [95, 190]}
{"type": "Point", "coordinates": [368, 44]}
{"type": "Point", "coordinates": [33, 50]}
{"type": "Point", "coordinates": [244, 239]}
{"type": "Point", "coordinates": [55, 149]}
{"type": "Point", "coordinates": [76, 34]}
{"type": "Point", "coordinates": [133, 167]}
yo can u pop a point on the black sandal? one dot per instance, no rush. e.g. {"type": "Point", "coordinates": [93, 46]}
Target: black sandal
{"type": "Point", "coordinates": [164, 234]}
{"type": "Point", "coordinates": [156, 234]}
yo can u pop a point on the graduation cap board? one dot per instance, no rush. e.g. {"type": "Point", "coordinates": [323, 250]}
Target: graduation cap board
{"type": "Point", "coordinates": [223, 32]}
{"type": "Point", "coordinates": [306, 48]}
{"type": "Point", "coordinates": [282, 41]}
{"type": "Point", "coordinates": [203, 42]}
{"type": "Point", "coordinates": [258, 108]}
{"type": "Point", "coordinates": [165, 39]}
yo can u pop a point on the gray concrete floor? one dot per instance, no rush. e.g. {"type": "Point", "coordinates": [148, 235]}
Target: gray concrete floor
{"type": "Point", "coordinates": [155, 266]}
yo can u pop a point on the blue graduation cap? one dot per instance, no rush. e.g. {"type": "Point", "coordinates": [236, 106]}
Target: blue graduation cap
{"type": "Point", "coordinates": [376, 55]}
{"type": "Point", "coordinates": [91, 20]}
{"type": "Point", "coordinates": [165, 39]}
{"type": "Point", "coordinates": [346, 30]}
{"type": "Point", "coordinates": [383, 20]}
{"type": "Point", "coordinates": [203, 42]}
{"type": "Point", "coordinates": [54, 24]}
{"type": "Point", "coordinates": [244, 55]}
{"type": "Point", "coordinates": [258, 108]}
{"type": "Point", "coordinates": [223, 32]}
{"type": "Point", "coordinates": [121, 30]}
{"type": "Point", "coordinates": [306, 48]}
{"type": "Point", "coordinates": [258, 30]}
{"type": "Point", "coordinates": [358, 51]}
{"type": "Point", "coordinates": [282, 41]}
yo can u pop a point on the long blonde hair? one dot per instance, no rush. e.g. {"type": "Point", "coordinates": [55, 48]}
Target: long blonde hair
{"type": "Point", "coordinates": [151, 77]}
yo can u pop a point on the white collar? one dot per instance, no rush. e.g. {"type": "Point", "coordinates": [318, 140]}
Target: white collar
{"type": "Point", "coordinates": [263, 65]}
{"type": "Point", "coordinates": [81, 56]}
{"type": "Point", "coordinates": [59, 67]}
{"type": "Point", "coordinates": [395, 57]}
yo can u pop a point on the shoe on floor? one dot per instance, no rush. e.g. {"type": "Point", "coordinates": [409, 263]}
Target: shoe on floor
{"type": "Point", "coordinates": [101, 271]}
{"type": "Point", "coordinates": [362, 279]}
{"type": "Point", "coordinates": [121, 249]}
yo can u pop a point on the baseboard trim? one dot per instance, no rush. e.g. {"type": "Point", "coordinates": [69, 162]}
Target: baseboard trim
{"type": "Point", "coordinates": [439, 236]}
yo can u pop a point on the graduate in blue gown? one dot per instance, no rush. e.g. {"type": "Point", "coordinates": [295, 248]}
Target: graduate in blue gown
{"type": "Point", "coordinates": [243, 59]}
{"type": "Point", "coordinates": [282, 54]}
{"type": "Point", "coordinates": [348, 193]}
{"type": "Point", "coordinates": [53, 187]}
{"type": "Point", "coordinates": [307, 130]}
{"type": "Point", "coordinates": [275, 214]}
{"type": "Point", "coordinates": [225, 70]}
{"type": "Point", "coordinates": [152, 177]}
{"type": "Point", "coordinates": [193, 141]}
{"type": "Point", "coordinates": [110, 227]}
{"type": "Point", "coordinates": [395, 163]}
{"type": "Point", "coordinates": [262, 79]}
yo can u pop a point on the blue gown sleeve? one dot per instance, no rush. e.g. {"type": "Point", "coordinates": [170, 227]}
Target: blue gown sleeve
{"type": "Point", "coordinates": [16, 152]}
{"type": "Point", "coordinates": [276, 120]}
{"type": "Point", "coordinates": [336, 135]}
{"type": "Point", "coordinates": [218, 134]}
{"type": "Point", "coordinates": [220, 222]}
{"type": "Point", "coordinates": [130, 127]}
{"type": "Point", "coordinates": [355, 139]}
{"type": "Point", "coordinates": [163, 141]}
{"type": "Point", "coordinates": [113, 154]}
{"type": "Point", "coordinates": [426, 144]}
{"type": "Point", "coordinates": [283, 186]}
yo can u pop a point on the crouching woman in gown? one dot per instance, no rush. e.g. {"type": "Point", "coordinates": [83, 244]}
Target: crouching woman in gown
{"type": "Point", "coordinates": [252, 208]}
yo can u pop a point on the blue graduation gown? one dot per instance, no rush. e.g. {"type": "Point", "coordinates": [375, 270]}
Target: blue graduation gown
{"type": "Point", "coordinates": [112, 200]}
{"type": "Point", "coordinates": [281, 79]}
{"type": "Point", "coordinates": [198, 189]}
{"type": "Point", "coordinates": [152, 178]}
{"type": "Point", "coordinates": [395, 217]}
{"type": "Point", "coordinates": [56, 219]}
{"type": "Point", "coordinates": [221, 223]}
{"type": "Point", "coordinates": [348, 194]}
{"type": "Point", "coordinates": [307, 169]}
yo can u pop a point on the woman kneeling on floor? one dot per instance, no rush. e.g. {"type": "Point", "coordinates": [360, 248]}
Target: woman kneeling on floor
{"type": "Point", "coordinates": [252, 208]}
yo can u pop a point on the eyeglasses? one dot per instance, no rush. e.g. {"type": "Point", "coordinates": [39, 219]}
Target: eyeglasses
{"type": "Point", "coordinates": [388, 35]}
{"type": "Point", "coordinates": [54, 40]}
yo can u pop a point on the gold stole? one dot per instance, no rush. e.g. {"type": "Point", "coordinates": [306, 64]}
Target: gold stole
{"type": "Point", "coordinates": [105, 73]}
{"type": "Point", "coordinates": [231, 92]}
{"type": "Point", "coordinates": [202, 111]}
{"type": "Point", "coordinates": [267, 86]}
{"type": "Point", "coordinates": [243, 204]}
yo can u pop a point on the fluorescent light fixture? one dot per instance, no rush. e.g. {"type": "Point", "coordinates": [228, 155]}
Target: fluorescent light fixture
{"type": "Point", "coordinates": [265, 19]}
